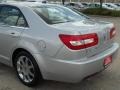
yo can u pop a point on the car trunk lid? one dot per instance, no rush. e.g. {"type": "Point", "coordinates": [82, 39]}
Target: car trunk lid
{"type": "Point", "coordinates": [102, 29]}
{"type": "Point", "coordinates": [104, 42]}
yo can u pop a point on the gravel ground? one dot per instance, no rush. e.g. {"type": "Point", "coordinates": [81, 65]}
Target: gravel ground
{"type": "Point", "coordinates": [106, 80]}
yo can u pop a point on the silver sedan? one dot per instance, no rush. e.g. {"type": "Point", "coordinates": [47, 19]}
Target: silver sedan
{"type": "Point", "coordinates": [44, 41]}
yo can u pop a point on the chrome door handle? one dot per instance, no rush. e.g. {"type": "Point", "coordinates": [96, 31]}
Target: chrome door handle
{"type": "Point", "coordinates": [13, 33]}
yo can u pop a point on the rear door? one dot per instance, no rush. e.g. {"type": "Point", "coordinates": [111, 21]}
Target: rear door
{"type": "Point", "coordinates": [12, 24]}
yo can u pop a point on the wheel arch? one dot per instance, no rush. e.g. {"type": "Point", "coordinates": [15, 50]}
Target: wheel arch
{"type": "Point", "coordinates": [32, 51]}
{"type": "Point", "coordinates": [15, 52]}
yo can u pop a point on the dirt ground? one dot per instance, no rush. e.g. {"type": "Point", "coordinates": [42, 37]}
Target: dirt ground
{"type": "Point", "coordinates": [106, 80]}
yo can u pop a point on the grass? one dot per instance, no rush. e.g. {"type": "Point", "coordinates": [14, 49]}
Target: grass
{"type": "Point", "coordinates": [101, 11]}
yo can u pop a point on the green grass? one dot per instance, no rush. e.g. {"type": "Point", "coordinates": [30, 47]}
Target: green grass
{"type": "Point", "coordinates": [99, 11]}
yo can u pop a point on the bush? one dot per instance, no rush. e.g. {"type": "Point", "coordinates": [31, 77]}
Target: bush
{"type": "Point", "coordinates": [99, 11]}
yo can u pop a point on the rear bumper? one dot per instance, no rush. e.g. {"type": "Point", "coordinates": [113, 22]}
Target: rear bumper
{"type": "Point", "coordinates": [74, 71]}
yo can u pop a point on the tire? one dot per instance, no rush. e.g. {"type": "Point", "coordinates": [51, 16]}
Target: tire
{"type": "Point", "coordinates": [27, 69]}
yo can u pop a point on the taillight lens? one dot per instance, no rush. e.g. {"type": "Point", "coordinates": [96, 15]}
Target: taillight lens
{"type": "Point", "coordinates": [77, 42]}
{"type": "Point", "coordinates": [112, 32]}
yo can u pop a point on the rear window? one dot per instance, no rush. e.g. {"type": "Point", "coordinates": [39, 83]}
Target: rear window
{"type": "Point", "coordinates": [57, 14]}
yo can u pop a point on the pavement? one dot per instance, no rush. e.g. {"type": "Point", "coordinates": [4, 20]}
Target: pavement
{"type": "Point", "coordinates": [108, 79]}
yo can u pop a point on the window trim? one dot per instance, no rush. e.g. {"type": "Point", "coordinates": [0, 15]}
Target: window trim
{"type": "Point", "coordinates": [27, 25]}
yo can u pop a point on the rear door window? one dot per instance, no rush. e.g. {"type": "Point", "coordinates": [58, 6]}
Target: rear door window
{"type": "Point", "coordinates": [12, 16]}
{"type": "Point", "coordinates": [9, 16]}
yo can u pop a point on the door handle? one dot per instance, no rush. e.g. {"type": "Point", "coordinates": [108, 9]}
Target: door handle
{"type": "Point", "coordinates": [13, 33]}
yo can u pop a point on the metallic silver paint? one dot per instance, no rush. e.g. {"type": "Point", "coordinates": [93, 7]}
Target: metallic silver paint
{"type": "Point", "coordinates": [56, 61]}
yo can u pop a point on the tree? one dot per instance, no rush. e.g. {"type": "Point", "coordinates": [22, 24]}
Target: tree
{"type": "Point", "coordinates": [63, 2]}
{"type": "Point", "coordinates": [101, 2]}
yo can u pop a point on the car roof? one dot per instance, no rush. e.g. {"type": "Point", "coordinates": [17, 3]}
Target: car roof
{"type": "Point", "coordinates": [26, 4]}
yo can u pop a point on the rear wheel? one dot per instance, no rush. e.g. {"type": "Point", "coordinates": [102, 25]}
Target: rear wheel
{"type": "Point", "coordinates": [27, 69]}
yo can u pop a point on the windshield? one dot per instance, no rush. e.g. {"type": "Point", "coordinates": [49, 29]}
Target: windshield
{"type": "Point", "coordinates": [57, 14]}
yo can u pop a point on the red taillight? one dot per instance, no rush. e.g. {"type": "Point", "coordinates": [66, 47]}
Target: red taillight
{"type": "Point", "coordinates": [77, 42]}
{"type": "Point", "coordinates": [112, 32]}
